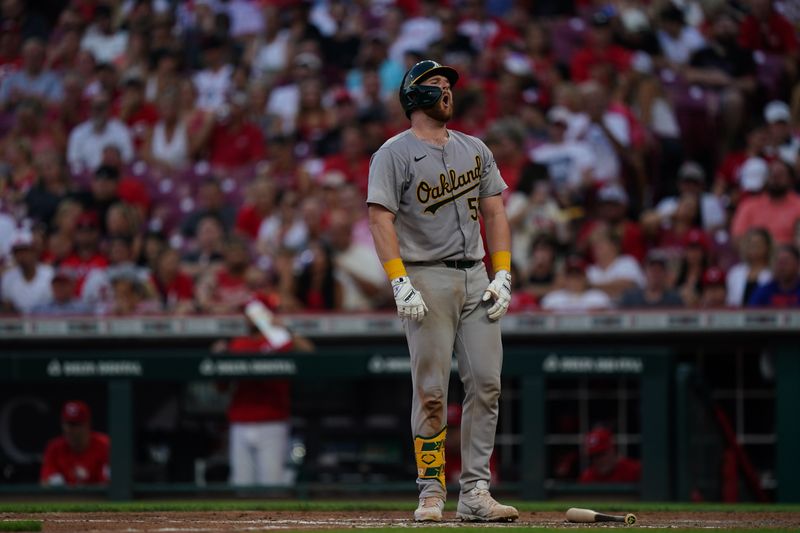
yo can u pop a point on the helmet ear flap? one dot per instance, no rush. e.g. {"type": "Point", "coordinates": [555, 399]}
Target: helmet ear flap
{"type": "Point", "coordinates": [421, 96]}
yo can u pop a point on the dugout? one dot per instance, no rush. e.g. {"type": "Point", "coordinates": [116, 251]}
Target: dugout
{"type": "Point", "coordinates": [552, 361]}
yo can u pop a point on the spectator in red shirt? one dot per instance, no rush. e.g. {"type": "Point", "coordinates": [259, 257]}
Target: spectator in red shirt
{"type": "Point", "coordinates": [600, 59]}
{"type": "Point", "coordinates": [135, 111]}
{"type": "Point", "coordinates": [766, 30]}
{"type": "Point", "coordinates": [79, 456]}
{"type": "Point", "coordinates": [259, 411]}
{"type": "Point", "coordinates": [175, 289]}
{"type": "Point", "coordinates": [605, 465]}
{"type": "Point", "coordinates": [86, 255]}
{"type": "Point", "coordinates": [352, 160]}
{"type": "Point", "coordinates": [777, 209]}
{"type": "Point", "coordinates": [235, 140]}
{"type": "Point", "coordinates": [611, 212]}
{"type": "Point", "coordinates": [229, 288]}
{"type": "Point", "coordinates": [262, 196]}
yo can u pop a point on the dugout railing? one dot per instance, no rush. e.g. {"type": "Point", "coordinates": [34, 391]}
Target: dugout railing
{"type": "Point", "coordinates": [645, 345]}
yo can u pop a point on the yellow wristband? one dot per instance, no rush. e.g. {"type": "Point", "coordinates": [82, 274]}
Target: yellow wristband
{"type": "Point", "coordinates": [501, 260]}
{"type": "Point", "coordinates": [394, 268]}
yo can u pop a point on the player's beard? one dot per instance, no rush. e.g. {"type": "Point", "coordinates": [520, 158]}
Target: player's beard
{"type": "Point", "coordinates": [440, 111]}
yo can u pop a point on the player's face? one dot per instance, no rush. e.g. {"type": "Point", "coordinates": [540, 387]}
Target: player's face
{"type": "Point", "coordinates": [77, 435]}
{"type": "Point", "coordinates": [443, 109]}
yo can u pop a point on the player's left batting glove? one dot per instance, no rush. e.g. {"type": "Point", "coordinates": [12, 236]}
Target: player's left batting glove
{"type": "Point", "coordinates": [499, 290]}
{"type": "Point", "coordinates": [408, 299]}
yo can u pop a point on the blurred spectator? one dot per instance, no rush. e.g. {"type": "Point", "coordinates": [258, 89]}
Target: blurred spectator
{"type": "Point", "coordinates": [353, 160]}
{"type": "Point", "coordinates": [600, 59]}
{"type": "Point", "coordinates": [695, 261]}
{"type": "Point", "coordinates": [235, 140]}
{"type": "Point", "coordinates": [268, 53]}
{"type": "Point", "coordinates": [540, 277]}
{"type": "Point", "coordinates": [103, 192]}
{"type": "Point", "coordinates": [33, 80]}
{"type": "Point", "coordinates": [225, 290]}
{"type": "Point", "coordinates": [728, 71]}
{"type": "Point", "coordinates": [213, 83]}
{"type": "Point", "coordinates": [692, 181]}
{"type": "Point", "coordinates": [259, 411]}
{"type": "Point", "coordinates": [569, 162]}
{"type": "Point", "coordinates": [656, 292]}
{"type": "Point", "coordinates": [131, 296]}
{"type": "Point", "coordinates": [611, 271]}
{"type": "Point", "coordinates": [605, 464]}
{"type": "Point", "coordinates": [678, 40]}
{"type": "Point", "coordinates": [135, 111]}
{"type": "Point", "coordinates": [356, 267]}
{"type": "Point", "coordinates": [205, 252]}
{"type": "Point", "coordinates": [168, 145]}
{"type": "Point", "coordinates": [783, 143]}
{"type": "Point", "coordinates": [285, 227]}
{"type": "Point", "coordinates": [316, 285]}
{"type": "Point", "coordinates": [210, 202]}
{"type": "Point", "coordinates": [611, 214]}
{"type": "Point", "coordinates": [575, 294]}
{"type": "Point", "coordinates": [777, 209]}
{"type": "Point", "coordinates": [766, 30]}
{"type": "Point", "coordinates": [714, 294]}
{"type": "Point", "coordinates": [605, 132]}
{"type": "Point", "coordinates": [96, 289]}
{"type": "Point", "coordinates": [730, 178]}
{"type": "Point", "coordinates": [64, 301]}
{"type": "Point", "coordinates": [175, 289]}
{"type": "Point", "coordinates": [86, 254]}
{"type": "Point", "coordinates": [79, 456]}
{"type": "Point", "coordinates": [51, 187]}
{"type": "Point", "coordinates": [28, 283]}
{"type": "Point", "coordinates": [506, 140]}
{"type": "Point", "coordinates": [284, 99]}
{"type": "Point", "coordinates": [31, 128]}
{"type": "Point", "coordinates": [784, 289]}
{"type": "Point", "coordinates": [88, 139]}
{"type": "Point", "coordinates": [532, 211]}
{"type": "Point", "coordinates": [101, 39]}
{"type": "Point", "coordinates": [754, 270]}
{"type": "Point", "coordinates": [154, 243]}
{"type": "Point", "coordinates": [261, 202]}
{"type": "Point", "coordinates": [163, 78]}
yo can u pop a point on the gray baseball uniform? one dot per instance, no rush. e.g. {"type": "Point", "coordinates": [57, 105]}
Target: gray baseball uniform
{"type": "Point", "coordinates": [433, 192]}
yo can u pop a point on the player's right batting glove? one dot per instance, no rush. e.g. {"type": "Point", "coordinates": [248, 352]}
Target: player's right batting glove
{"type": "Point", "coordinates": [408, 299]}
{"type": "Point", "coordinates": [498, 290]}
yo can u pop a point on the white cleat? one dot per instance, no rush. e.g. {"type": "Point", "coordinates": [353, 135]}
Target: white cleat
{"type": "Point", "coordinates": [429, 510]}
{"type": "Point", "coordinates": [478, 505]}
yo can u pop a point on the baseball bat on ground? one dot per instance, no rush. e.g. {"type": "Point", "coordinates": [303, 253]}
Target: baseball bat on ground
{"type": "Point", "coordinates": [587, 516]}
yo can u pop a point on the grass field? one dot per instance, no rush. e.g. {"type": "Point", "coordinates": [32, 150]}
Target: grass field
{"type": "Point", "coordinates": [375, 516]}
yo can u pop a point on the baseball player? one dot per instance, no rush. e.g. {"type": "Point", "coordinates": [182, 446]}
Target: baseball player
{"type": "Point", "coordinates": [428, 186]}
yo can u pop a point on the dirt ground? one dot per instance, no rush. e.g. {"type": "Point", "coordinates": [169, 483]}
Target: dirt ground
{"type": "Point", "coordinates": [319, 521]}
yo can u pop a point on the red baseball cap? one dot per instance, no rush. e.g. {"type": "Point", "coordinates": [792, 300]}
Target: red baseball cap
{"type": "Point", "coordinates": [598, 441]}
{"type": "Point", "coordinates": [696, 237]}
{"type": "Point", "coordinates": [76, 412]}
{"type": "Point", "coordinates": [713, 276]}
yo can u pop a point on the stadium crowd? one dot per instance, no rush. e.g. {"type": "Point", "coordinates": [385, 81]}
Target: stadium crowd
{"type": "Point", "coordinates": [159, 156]}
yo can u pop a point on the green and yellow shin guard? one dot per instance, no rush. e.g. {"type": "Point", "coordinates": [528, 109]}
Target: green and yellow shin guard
{"type": "Point", "coordinates": [429, 452]}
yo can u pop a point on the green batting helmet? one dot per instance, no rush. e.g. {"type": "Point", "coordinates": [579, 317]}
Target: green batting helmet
{"type": "Point", "coordinates": [413, 95]}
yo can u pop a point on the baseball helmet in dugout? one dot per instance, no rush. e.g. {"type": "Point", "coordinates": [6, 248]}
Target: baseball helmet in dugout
{"type": "Point", "coordinates": [414, 96]}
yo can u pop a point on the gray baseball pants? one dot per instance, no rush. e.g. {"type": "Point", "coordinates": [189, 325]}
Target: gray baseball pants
{"type": "Point", "coordinates": [456, 322]}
